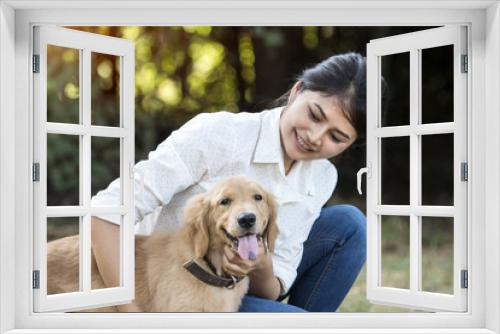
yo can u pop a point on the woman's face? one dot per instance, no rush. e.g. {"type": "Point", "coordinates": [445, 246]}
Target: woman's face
{"type": "Point", "coordinates": [313, 126]}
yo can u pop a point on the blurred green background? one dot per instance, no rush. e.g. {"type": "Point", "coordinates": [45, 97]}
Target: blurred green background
{"type": "Point", "coordinates": [182, 71]}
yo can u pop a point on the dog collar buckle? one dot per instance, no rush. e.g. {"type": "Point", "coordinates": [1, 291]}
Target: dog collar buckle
{"type": "Point", "coordinates": [232, 284]}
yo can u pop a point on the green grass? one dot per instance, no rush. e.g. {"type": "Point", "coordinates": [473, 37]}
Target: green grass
{"type": "Point", "coordinates": [437, 272]}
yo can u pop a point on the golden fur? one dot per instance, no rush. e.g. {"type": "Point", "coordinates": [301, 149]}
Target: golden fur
{"type": "Point", "coordinates": [162, 284]}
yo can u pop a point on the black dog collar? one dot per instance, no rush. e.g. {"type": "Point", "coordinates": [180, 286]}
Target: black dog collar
{"type": "Point", "coordinates": [212, 279]}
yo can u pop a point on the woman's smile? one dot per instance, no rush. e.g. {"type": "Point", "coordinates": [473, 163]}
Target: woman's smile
{"type": "Point", "coordinates": [301, 144]}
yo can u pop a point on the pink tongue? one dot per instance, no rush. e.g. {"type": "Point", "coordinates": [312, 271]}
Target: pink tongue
{"type": "Point", "coordinates": [247, 247]}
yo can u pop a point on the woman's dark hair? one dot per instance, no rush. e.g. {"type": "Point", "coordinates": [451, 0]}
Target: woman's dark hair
{"type": "Point", "coordinates": [342, 76]}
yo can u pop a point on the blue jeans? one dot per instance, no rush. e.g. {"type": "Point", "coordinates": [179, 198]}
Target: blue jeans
{"type": "Point", "coordinates": [334, 253]}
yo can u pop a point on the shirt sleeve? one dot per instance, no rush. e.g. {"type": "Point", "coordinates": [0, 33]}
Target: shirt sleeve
{"type": "Point", "coordinates": [286, 268]}
{"type": "Point", "coordinates": [177, 163]}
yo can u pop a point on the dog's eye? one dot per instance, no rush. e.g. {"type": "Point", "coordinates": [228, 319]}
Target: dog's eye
{"type": "Point", "coordinates": [225, 201]}
{"type": "Point", "coordinates": [258, 197]}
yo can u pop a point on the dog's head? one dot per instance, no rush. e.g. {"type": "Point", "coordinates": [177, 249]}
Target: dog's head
{"type": "Point", "coordinates": [236, 212]}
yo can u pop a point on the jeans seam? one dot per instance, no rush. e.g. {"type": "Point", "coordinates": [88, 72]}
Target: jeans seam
{"type": "Point", "coordinates": [323, 273]}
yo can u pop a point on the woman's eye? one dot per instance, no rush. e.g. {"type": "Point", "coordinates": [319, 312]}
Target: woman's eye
{"type": "Point", "coordinates": [335, 139]}
{"type": "Point", "coordinates": [314, 118]}
{"type": "Point", "coordinates": [258, 197]}
{"type": "Point", "coordinates": [225, 201]}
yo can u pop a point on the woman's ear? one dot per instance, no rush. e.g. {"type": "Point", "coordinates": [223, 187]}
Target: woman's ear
{"type": "Point", "coordinates": [294, 91]}
{"type": "Point", "coordinates": [196, 219]}
{"type": "Point", "coordinates": [271, 231]}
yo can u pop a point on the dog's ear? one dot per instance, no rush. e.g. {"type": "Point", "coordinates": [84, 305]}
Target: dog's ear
{"type": "Point", "coordinates": [271, 231]}
{"type": "Point", "coordinates": [196, 219]}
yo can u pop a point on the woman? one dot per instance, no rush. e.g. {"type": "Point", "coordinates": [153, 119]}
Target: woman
{"type": "Point", "coordinates": [319, 251]}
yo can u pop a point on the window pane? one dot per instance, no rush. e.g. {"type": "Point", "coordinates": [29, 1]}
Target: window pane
{"type": "Point", "coordinates": [63, 169]}
{"type": "Point", "coordinates": [395, 165]}
{"type": "Point", "coordinates": [63, 84]}
{"type": "Point", "coordinates": [396, 90]}
{"type": "Point", "coordinates": [105, 89]}
{"type": "Point", "coordinates": [437, 169]}
{"type": "Point", "coordinates": [437, 254]}
{"type": "Point", "coordinates": [395, 270]}
{"type": "Point", "coordinates": [105, 166]}
{"type": "Point", "coordinates": [113, 248]}
{"type": "Point", "coordinates": [437, 84]}
{"type": "Point", "coordinates": [63, 255]}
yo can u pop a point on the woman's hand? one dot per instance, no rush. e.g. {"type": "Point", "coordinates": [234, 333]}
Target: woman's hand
{"type": "Point", "coordinates": [234, 265]}
{"type": "Point", "coordinates": [263, 283]}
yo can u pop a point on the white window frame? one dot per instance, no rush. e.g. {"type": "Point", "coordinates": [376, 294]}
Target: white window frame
{"type": "Point", "coordinates": [414, 44]}
{"type": "Point", "coordinates": [16, 19]}
{"type": "Point", "coordinates": [84, 43]}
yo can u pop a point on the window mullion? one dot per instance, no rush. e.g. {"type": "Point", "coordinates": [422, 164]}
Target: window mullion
{"type": "Point", "coordinates": [127, 88]}
{"type": "Point", "coordinates": [85, 185]}
{"type": "Point", "coordinates": [415, 158]}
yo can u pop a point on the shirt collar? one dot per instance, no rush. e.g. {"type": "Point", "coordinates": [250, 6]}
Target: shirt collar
{"type": "Point", "coordinates": [269, 149]}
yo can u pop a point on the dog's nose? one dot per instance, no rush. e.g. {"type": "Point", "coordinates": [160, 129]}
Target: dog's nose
{"type": "Point", "coordinates": [246, 220]}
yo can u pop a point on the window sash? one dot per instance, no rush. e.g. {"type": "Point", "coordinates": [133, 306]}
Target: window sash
{"type": "Point", "coordinates": [85, 43]}
{"type": "Point", "coordinates": [413, 297]}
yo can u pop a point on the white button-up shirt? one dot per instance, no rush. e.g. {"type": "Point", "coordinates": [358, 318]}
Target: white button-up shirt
{"type": "Point", "coordinates": [213, 146]}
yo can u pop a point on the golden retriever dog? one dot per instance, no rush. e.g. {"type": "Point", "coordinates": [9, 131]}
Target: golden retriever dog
{"type": "Point", "coordinates": [236, 212]}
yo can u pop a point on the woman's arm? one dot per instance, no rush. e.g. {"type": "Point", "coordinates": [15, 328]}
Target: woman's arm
{"type": "Point", "coordinates": [263, 283]}
{"type": "Point", "coordinates": [176, 164]}
{"type": "Point", "coordinates": [106, 248]}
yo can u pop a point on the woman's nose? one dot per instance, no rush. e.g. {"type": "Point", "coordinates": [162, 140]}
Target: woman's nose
{"type": "Point", "coordinates": [315, 136]}
{"type": "Point", "coordinates": [315, 139]}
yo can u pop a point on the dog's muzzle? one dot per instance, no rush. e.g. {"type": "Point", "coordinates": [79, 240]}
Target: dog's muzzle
{"type": "Point", "coordinates": [234, 240]}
